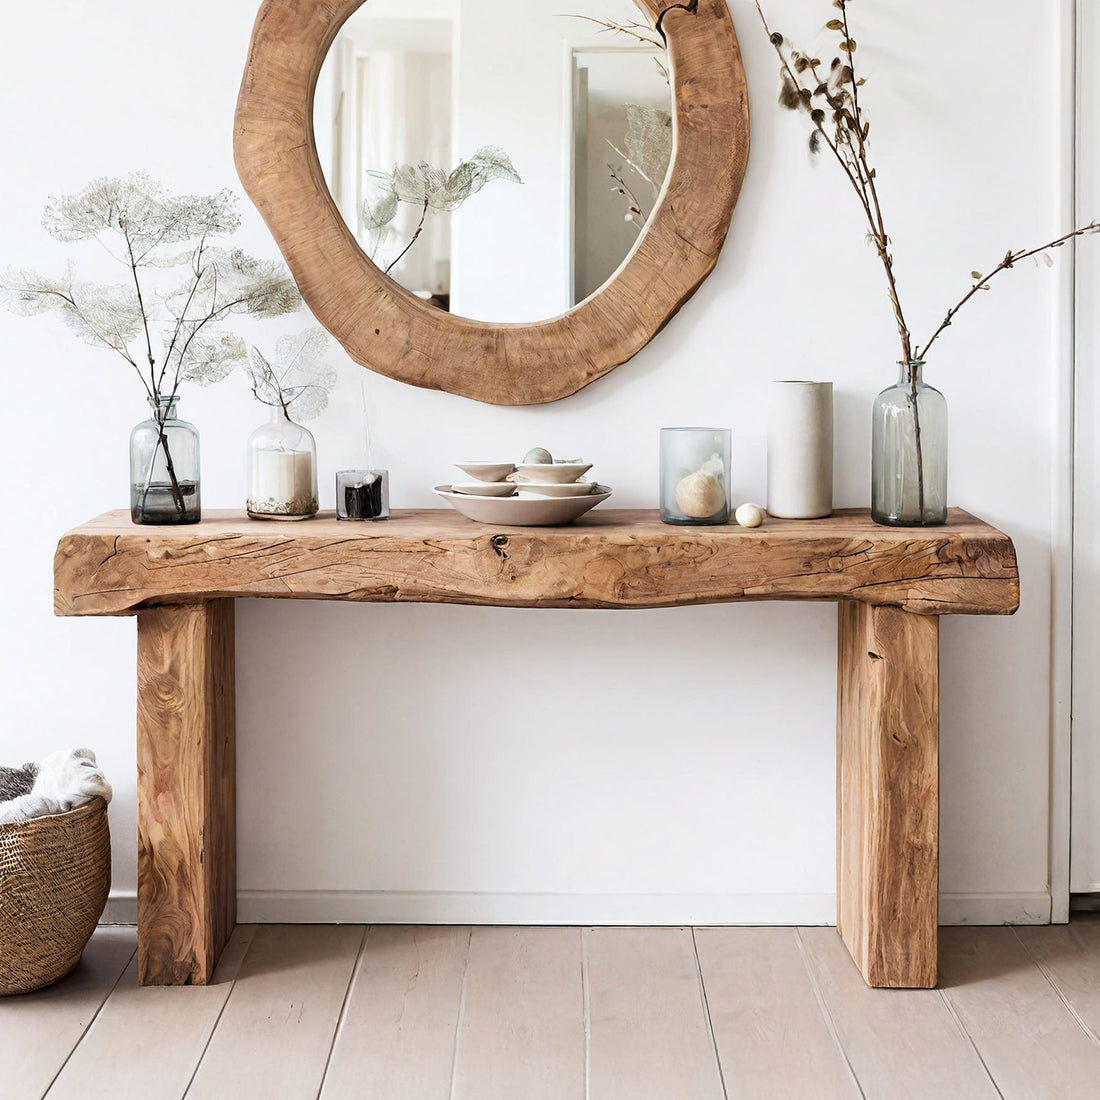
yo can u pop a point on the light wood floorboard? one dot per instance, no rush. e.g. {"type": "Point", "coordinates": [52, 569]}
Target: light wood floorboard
{"type": "Point", "coordinates": [1031, 1042]}
{"type": "Point", "coordinates": [649, 1034]}
{"type": "Point", "coordinates": [397, 1037]}
{"type": "Point", "coordinates": [123, 1055]}
{"type": "Point", "coordinates": [396, 1013]}
{"type": "Point", "coordinates": [277, 1028]}
{"type": "Point", "coordinates": [1070, 956]}
{"type": "Point", "coordinates": [902, 1044]}
{"type": "Point", "coordinates": [772, 1036]}
{"type": "Point", "coordinates": [38, 1031]}
{"type": "Point", "coordinates": [522, 1028]}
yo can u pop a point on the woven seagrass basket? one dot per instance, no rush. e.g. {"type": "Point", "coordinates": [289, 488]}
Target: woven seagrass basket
{"type": "Point", "coordinates": [55, 873]}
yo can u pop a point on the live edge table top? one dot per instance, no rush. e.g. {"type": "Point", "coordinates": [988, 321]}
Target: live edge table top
{"type": "Point", "coordinates": [610, 559]}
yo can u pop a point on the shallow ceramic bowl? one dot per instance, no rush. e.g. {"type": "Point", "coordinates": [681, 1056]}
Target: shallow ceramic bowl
{"type": "Point", "coordinates": [487, 471]}
{"type": "Point", "coordinates": [551, 473]}
{"type": "Point", "coordinates": [486, 489]}
{"type": "Point", "coordinates": [534, 511]}
{"type": "Point", "coordinates": [552, 489]}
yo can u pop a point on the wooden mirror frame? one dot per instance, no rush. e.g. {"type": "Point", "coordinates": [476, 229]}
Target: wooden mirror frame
{"type": "Point", "coordinates": [388, 329]}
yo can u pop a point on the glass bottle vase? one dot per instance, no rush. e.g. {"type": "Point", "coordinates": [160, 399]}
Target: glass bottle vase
{"type": "Point", "coordinates": [282, 470]}
{"type": "Point", "coordinates": [164, 467]}
{"type": "Point", "coordinates": [909, 453]}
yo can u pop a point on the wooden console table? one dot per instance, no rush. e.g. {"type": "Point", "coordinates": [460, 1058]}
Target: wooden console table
{"type": "Point", "coordinates": [891, 584]}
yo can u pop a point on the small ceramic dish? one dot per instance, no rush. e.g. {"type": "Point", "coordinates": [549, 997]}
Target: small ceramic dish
{"type": "Point", "coordinates": [551, 473]}
{"type": "Point", "coordinates": [552, 489]}
{"type": "Point", "coordinates": [487, 471]}
{"type": "Point", "coordinates": [533, 511]}
{"type": "Point", "coordinates": [486, 489]}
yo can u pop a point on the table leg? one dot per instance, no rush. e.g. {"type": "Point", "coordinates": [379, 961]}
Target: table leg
{"type": "Point", "coordinates": [888, 793]}
{"type": "Point", "coordinates": [187, 890]}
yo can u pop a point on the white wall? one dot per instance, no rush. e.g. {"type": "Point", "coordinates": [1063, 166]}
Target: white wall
{"type": "Point", "coordinates": [1086, 685]}
{"type": "Point", "coordinates": [672, 765]}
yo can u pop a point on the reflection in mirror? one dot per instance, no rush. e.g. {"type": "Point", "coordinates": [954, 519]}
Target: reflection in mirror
{"type": "Point", "coordinates": [496, 159]}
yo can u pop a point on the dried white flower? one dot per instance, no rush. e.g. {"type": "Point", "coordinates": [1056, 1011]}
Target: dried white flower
{"type": "Point", "coordinates": [296, 379]}
{"type": "Point", "coordinates": [431, 188]}
{"type": "Point", "coordinates": [165, 318]}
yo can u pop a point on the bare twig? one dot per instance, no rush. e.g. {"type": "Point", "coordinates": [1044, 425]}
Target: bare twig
{"type": "Point", "coordinates": [1010, 260]}
{"type": "Point", "coordinates": [415, 237]}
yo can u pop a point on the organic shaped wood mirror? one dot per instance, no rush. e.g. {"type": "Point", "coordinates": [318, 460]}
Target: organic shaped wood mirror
{"type": "Point", "coordinates": [494, 199]}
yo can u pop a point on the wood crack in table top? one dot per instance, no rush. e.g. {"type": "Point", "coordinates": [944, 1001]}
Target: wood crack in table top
{"type": "Point", "coordinates": [612, 559]}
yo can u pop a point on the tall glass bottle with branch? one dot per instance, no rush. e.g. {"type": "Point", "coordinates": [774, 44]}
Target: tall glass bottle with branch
{"type": "Point", "coordinates": [165, 319]}
{"type": "Point", "coordinates": [909, 448]}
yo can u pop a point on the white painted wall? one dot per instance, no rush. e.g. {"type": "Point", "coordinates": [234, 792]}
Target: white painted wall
{"type": "Point", "coordinates": [672, 765]}
{"type": "Point", "coordinates": [1085, 870]}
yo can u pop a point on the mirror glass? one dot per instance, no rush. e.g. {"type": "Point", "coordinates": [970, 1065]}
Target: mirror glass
{"type": "Point", "coordinates": [497, 159]}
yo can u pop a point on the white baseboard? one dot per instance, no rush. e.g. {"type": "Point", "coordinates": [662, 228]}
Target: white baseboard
{"type": "Point", "coordinates": [367, 907]}
{"type": "Point", "coordinates": [1033, 908]}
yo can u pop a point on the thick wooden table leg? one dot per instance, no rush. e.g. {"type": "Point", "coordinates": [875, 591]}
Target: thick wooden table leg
{"type": "Point", "coordinates": [187, 890]}
{"type": "Point", "coordinates": [888, 793]}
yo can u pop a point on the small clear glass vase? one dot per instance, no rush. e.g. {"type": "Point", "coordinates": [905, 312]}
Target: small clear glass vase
{"type": "Point", "coordinates": [164, 467]}
{"type": "Point", "coordinates": [909, 453]}
{"type": "Point", "coordinates": [282, 470]}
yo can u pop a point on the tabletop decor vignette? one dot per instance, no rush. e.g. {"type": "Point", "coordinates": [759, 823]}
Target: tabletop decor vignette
{"type": "Point", "coordinates": [905, 491]}
{"type": "Point", "coordinates": [166, 319]}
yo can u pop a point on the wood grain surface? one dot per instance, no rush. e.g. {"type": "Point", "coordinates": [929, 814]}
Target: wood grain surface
{"type": "Point", "coordinates": [888, 793]}
{"type": "Point", "coordinates": [187, 885]}
{"type": "Point", "coordinates": [390, 330]}
{"type": "Point", "coordinates": [612, 559]}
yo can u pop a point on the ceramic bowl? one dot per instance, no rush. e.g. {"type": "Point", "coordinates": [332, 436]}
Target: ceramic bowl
{"type": "Point", "coordinates": [533, 511]}
{"type": "Point", "coordinates": [552, 473]}
{"type": "Point", "coordinates": [552, 489]}
{"type": "Point", "coordinates": [487, 471]}
{"type": "Point", "coordinates": [486, 489]}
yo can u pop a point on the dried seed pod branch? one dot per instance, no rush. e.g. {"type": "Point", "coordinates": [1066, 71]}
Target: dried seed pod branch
{"type": "Point", "coordinates": [1011, 259]}
{"type": "Point", "coordinates": [838, 91]}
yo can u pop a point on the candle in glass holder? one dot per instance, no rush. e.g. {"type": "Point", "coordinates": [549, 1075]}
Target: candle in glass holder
{"type": "Point", "coordinates": [362, 494]}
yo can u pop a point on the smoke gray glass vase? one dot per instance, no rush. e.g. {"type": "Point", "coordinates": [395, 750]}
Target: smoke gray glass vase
{"type": "Point", "coordinates": [909, 453]}
{"type": "Point", "coordinates": [164, 468]}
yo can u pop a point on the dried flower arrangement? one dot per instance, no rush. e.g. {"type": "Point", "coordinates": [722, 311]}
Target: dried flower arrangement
{"type": "Point", "coordinates": [169, 328]}
{"type": "Point", "coordinates": [831, 98]}
{"type": "Point", "coordinates": [430, 188]}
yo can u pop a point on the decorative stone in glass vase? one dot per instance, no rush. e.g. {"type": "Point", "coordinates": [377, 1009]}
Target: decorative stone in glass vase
{"type": "Point", "coordinates": [164, 468]}
{"type": "Point", "coordinates": [282, 470]}
{"type": "Point", "coordinates": [695, 476]}
{"type": "Point", "coordinates": [909, 453]}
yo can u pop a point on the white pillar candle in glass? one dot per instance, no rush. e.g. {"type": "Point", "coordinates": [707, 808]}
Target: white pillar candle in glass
{"type": "Point", "coordinates": [800, 450]}
{"type": "Point", "coordinates": [282, 470]}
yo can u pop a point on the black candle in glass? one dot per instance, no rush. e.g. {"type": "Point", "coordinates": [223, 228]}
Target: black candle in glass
{"type": "Point", "coordinates": [362, 494]}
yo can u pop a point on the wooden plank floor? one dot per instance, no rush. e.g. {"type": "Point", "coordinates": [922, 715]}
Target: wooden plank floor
{"type": "Point", "coordinates": [343, 1012]}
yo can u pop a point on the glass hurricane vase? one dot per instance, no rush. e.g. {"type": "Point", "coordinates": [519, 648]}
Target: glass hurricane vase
{"type": "Point", "coordinates": [909, 453]}
{"type": "Point", "coordinates": [164, 467]}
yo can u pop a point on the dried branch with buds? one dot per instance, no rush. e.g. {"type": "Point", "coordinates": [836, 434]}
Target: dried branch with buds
{"type": "Point", "coordinates": [830, 96]}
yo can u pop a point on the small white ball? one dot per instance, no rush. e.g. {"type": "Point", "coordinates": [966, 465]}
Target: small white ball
{"type": "Point", "coordinates": [749, 515]}
{"type": "Point", "coordinates": [539, 456]}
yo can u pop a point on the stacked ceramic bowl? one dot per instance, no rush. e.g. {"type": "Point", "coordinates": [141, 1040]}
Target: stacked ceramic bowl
{"type": "Point", "coordinates": [537, 492]}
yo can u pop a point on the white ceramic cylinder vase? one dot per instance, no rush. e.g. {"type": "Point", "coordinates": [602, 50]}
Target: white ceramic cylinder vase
{"type": "Point", "coordinates": [800, 450]}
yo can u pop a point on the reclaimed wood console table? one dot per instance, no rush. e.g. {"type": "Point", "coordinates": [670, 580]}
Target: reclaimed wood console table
{"type": "Point", "coordinates": [891, 586]}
